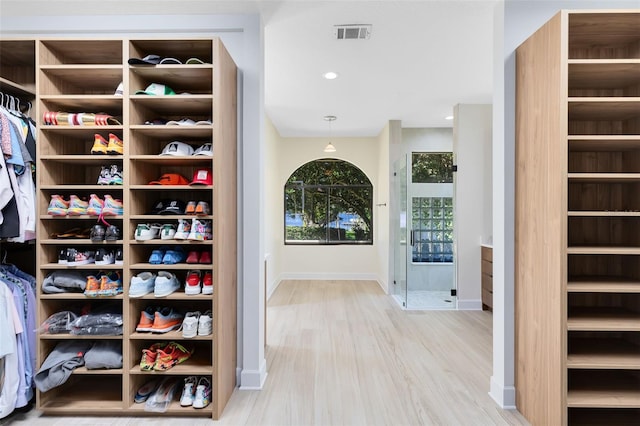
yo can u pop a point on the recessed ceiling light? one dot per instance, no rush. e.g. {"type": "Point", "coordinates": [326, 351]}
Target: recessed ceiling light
{"type": "Point", "coordinates": [330, 75]}
{"type": "Point", "coordinates": [449, 117]}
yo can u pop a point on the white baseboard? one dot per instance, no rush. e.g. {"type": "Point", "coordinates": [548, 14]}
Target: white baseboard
{"type": "Point", "coordinates": [339, 276]}
{"type": "Point", "coordinates": [469, 305]}
{"type": "Point", "coordinates": [272, 287]}
{"type": "Point", "coordinates": [254, 379]}
{"type": "Point", "coordinates": [504, 396]}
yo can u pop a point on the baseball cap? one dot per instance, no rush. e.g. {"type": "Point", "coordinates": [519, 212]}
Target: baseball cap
{"type": "Point", "coordinates": [156, 89]}
{"type": "Point", "coordinates": [170, 179]}
{"type": "Point", "coordinates": [194, 61]}
{"type": "Point", "coordinates": [202, 177]}
{"type": "Point", "coordinates": [206, 149]}
{"type": "Point", "coordinates": [168, 206]}
{"type": "Point", "coordinates": [168, 61]}
{"type": "Point", "coordinates": [147, 60]}
{"type": "Point", "coordinates": [177, 148]}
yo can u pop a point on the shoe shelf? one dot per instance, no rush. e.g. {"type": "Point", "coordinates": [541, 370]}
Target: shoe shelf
{"type": "Point", "coordinates": [192, 79]}
{"type": "Point", "coordinates": [169, 336]}
{"type": "Point", "coordinates": [171, 132]}
{"type": "Point", "coordinates": [81, 80]}
{"type": "Point", "coordinates": [174, 409]}
{"type": "Point", "coordinates": [81, 296]}
{"type": "Point", "coordinates": [171, 219]}
{"type": "Point", "coordinates": [82, 337]}
{"type": "Point", "coordinates": [612, 351]}
{"type": "Point", "coordinates": [81, 76]}
{"type": "Point", "coordinates": [74, 396]}
{"type": "Point", "coordinates": [587, 145]}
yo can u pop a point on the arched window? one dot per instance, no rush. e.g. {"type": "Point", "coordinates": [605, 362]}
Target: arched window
{"type": "Point", "coordinates": [328, 201]}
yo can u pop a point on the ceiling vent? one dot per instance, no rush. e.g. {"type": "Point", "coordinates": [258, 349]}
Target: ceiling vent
{"type": "Point", "coordinates": [352, 32]}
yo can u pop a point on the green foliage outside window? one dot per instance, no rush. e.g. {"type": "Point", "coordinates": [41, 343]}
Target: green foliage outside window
{"type": "Point", "coordinates": [328, 201]}
{"type": "Point", "coordinates": [432, 167]}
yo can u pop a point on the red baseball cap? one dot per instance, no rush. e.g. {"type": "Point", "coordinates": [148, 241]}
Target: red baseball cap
{"type": "Point", "coordinates": [170, 179]}
{"type": "Point", "coordinates": [202, 177]}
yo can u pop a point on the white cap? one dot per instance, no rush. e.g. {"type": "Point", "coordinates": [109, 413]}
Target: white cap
{"type": "Point", "coordinates": [177, 148]}
{"type": "Point", "coordinates": [206, 149]}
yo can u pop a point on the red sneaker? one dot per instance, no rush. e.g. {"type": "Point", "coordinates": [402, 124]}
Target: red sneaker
{"type": "Point", "coordinates": [193, 282]}
{"type": "Point", "coordinates": [192, 257]}
{"type": "Point", "coordinates": [205, 257]}
{"type": "Point", "coordinates": [207, 283]}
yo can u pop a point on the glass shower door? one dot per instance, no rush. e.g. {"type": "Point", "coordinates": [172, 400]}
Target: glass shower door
{"type": "Point", "coordinates": [401, 221]}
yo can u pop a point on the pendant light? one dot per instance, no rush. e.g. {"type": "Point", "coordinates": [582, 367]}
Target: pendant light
{"type": "Point", "coordinates": [330, 147]}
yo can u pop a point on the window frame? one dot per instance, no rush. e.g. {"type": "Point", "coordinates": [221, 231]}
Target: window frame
{"type": "Point", "coordinates": [301, 186]}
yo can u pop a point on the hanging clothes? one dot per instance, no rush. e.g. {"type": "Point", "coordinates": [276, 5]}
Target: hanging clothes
{"type": "Point", "coordinates": [17, 172]}
{"type": "Point", "coordinates": [17, 338]}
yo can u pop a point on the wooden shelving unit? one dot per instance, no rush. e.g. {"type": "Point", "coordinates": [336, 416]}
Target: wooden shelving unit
{"type": "Point", "coordinates": [79, 75]}
{"type": "Point", "coordinates": [578, 220]}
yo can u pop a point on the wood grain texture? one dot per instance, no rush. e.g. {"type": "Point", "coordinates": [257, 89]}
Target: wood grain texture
{"type": "Point", "coordinates": [541, 224]}
{"type": "Point", "coordinates": [344, 353]}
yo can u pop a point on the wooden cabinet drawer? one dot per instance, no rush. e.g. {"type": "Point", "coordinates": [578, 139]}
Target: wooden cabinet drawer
{"type": "Point", "coordinates": [487, 268]}
{"type": "Point", "coordinates": [487, 282]}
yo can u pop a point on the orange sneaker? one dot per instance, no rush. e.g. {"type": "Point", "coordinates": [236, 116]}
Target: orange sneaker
{"type": "Point", "coordinates": [166, 319]}
{"type": "Point", "coordinates": [173, 354]}
{"type": "Point", "coordinates": [100, 144]}
{"type": "Point", "coordinates": [93, 286]}
{"type": "Point", "coordinates": [146, 319]}
{"type": "Point", "coordinates": [149, 356]}
{"type": "Point", "coordinates": [115, 145]}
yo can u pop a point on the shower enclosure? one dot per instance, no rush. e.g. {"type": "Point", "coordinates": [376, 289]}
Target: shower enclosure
{"type": "Point", "coordinates": [424, 246]}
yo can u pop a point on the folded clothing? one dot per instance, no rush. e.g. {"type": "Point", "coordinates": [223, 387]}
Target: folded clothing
{"type": "Point", "coordinates": [58, 323]}
{"type": "Point", "coordinates": [98, 323]}
{"type": "Point", "coordinates": [56, 369]}
{"type": "Point", "coordinates": [104, 354]}
{"type": "Point", "coordinates": [64, 281]}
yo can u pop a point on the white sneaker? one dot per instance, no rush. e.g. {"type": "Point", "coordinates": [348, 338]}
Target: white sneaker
{"type": "Point", "coordinates": [189, 391]}
{"type": "Point", "coordinates": [190, 324]}
{"type": "Point", "coordinates": [168, 231]}
{"type": "Point", "coordinates": [198, 230]}
{"type": "Point", "coordinates": [205, 323]}
{"type": "Point", "coordinates": [203, 393]}
{"type": "Point", "coordinates": [184, 227]}
{"type": "Point", "coordinates": [165, 284]}
{"type": "Point", "coordinates": [145, 231]}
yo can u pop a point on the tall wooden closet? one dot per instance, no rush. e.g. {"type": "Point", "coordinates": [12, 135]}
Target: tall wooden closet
{"type": "Point", "coordinates": [578, 220]}
{"type": "Point", "coordinates": [82, 76]}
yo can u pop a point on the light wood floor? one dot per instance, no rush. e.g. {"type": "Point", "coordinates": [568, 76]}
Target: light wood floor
{"type": "Point", "coordinates": [344, 353]}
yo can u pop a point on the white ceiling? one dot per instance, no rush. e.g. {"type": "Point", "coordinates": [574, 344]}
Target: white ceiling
{"type": "Point", "coordinates": [423, 57]}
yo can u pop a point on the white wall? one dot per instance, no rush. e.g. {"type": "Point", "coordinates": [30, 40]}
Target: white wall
{"type": "Point", "coordinates": [471, 134]}
{"type": "Point", "coordinates": [274, 239]}
{"type": "Point", "coordinates": [327, 262]}
{"type": "Point", "coordinates": [381, 209]}
{"type": "Point", "coordinates": [515, 21]}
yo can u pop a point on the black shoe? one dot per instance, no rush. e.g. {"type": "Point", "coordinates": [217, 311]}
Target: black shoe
{"type": "Point", "coordinates": [119, 257]}
{"type": "Point", "coordinates": [97, 233]}
{"type": "Point", "coordinates": [62, 256]}
{"type": "Point", "coordinates": [71, 256]}
{"type": "Point", "coordinates": [112, 233]}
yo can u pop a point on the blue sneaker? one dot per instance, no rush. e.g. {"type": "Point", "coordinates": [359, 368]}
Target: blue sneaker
{"type": "Point", "coordinates": [173, 256]}
{"type": "Point", "coordinates": [165, 284]}
{"type": "Point", "coordinates": [142, 284]}
{"type": "Point", "coordinates": [157, 256]}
